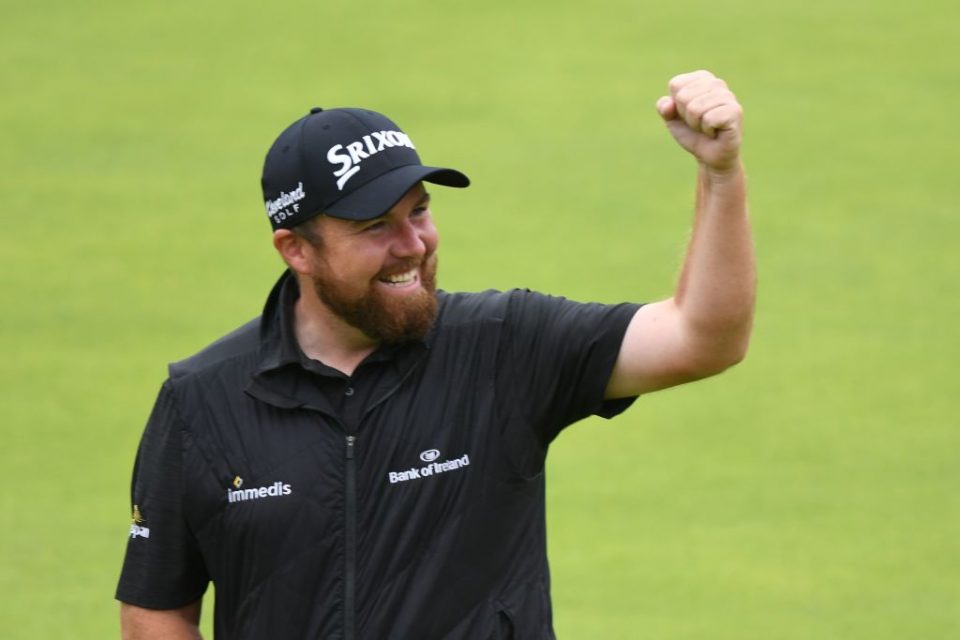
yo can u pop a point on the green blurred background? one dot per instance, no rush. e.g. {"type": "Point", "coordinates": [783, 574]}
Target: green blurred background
{"type": "Point", "coordinates": [811, 492]}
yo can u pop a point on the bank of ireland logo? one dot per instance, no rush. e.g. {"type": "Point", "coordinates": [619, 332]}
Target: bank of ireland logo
{"type": "Point", "coordinates": [433, 467]}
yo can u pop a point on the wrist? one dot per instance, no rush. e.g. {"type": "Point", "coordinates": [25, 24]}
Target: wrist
{"type": "Point", "coordinates": [724, 174]}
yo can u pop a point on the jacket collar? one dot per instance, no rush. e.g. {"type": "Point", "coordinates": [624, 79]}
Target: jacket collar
{"type": "Point", "coordinates": [278, 342]}
{"type": "Point", "coordinates": [283, 374]}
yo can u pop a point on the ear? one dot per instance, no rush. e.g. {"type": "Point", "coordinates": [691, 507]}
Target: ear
{"type": "Point", "coordinates": [294, 250]}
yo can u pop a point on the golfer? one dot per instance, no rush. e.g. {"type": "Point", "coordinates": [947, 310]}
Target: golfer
{"type": "Point", "coordinates": [365, 459]}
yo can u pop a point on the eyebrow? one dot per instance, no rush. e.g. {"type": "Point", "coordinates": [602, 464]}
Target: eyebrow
{"type": "Point", "coordinates": [424, 199]}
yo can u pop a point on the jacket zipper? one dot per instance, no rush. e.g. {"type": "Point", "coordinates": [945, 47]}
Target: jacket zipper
{"type": "Point", "coordinates": [350, 545]}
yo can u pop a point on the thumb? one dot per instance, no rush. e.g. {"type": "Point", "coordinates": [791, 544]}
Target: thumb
{"type": "Point", "coordinates": [667, 108]}
{"type": "Point", "coordinates": [683, 134]}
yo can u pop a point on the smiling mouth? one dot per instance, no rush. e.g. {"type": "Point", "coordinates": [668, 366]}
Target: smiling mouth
{"type": "Point", "coordinates": [400, 279]}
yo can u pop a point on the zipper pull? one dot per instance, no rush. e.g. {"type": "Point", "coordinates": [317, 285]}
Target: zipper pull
{"type": "Point", "coordinates": [350, 441]}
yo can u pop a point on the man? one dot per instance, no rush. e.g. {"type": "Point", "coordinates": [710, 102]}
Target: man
{"type": "Point", "coordinates": [366, 459]}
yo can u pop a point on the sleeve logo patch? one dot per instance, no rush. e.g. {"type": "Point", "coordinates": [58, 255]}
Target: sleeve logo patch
{"type": "Point", "coordinates": [136, 530]}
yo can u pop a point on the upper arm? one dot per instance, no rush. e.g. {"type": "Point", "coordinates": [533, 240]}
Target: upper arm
{"type": "Point", "coordinates": [659, 351]}
{"type": "Point", "coordinates": [554, 358]}
{"type": "Point", "coordinates": [163, 567]}
{"type": "Point", "coordinates": [138, 623]}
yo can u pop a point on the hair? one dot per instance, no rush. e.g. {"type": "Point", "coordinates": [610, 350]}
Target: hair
{"type": "Point", "coordinates": [308, 231]}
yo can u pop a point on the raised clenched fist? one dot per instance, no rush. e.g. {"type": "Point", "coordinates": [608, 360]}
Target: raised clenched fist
{"type": "Point", "coordinates": [704, 116]}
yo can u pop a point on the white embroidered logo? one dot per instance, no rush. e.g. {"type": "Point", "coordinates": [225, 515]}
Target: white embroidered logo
{"type": "Point", "coordinates": [350, 156]}
{"type": "Point", "coordinates": [278, 207]}
{"type": "Point", "coordinates": [432, 467]}
{"type": "Point", "coordinates": [275, 490]}
{"type": "Point", "coordinates": [429, 455]}
{"type": "Point", "coordinates": [136, 530]}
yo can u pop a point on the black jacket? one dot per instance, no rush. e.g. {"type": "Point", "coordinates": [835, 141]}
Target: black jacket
{"type": "Point", "coordinates": [417, 515]}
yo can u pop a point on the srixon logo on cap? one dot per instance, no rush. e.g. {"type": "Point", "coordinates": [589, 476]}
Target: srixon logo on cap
{"type": "Point", "coordinates": [351, 155]}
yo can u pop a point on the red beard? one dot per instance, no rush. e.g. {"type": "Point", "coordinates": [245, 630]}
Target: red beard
{"type": "Point", "coordinates": [385, 318]}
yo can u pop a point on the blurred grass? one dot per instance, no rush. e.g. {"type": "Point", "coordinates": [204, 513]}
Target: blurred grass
{"type": "Point", "coordinates": [811, 492]}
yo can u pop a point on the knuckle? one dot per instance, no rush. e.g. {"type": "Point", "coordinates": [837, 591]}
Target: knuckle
{"type": "Point", "coordinates": [695, 110]}
{"type": "Point", "coordinates": [733, 109]}
{"type": "Point", "coordinates": [726, 94]}
{"type": "Point", "coordinates": [713, 118]}
{"type": "Point", "coordinates": [685, 94]}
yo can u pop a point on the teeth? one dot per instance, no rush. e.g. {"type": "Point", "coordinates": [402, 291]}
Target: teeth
{"type": "Point", "coordinates": [402, 278]}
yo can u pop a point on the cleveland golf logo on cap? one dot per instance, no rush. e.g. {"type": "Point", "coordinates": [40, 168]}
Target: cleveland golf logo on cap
{"type": "Point", "coordinates": [364, 148]}
{"type": "Point", "coordinates": [286, 199]}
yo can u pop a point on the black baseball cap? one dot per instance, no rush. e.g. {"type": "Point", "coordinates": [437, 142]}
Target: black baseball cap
{"type": "Point", "coordinates": [353, 164]}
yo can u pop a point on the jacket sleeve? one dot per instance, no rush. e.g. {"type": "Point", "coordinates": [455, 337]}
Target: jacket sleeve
{"type": "Point", "coordinates": [556, 357]}
{"type": "Point", "coordinates": [163, 567]}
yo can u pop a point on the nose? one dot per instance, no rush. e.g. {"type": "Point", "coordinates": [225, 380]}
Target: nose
{"type": "Point", "coordinates": [409, 241]}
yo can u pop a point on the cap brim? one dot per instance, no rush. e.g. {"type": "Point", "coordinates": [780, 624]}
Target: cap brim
{"type": "Point", "coordinates": [378, 196]}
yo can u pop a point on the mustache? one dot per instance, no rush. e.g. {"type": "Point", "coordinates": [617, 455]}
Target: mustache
{"type": "Point", "coordinates": [402, 266]}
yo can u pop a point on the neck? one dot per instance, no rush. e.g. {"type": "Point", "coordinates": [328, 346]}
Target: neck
{"type": "Point", "coordinates": [324, 336]}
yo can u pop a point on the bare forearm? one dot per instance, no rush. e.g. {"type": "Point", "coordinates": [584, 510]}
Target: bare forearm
{"type": "Point", "coordinates": [705, 326]}
{"type": "Point", "coordinates": [717, 287]}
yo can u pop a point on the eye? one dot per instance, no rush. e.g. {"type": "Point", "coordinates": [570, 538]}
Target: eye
{"type": "Point", "coordinates": [374, 226]}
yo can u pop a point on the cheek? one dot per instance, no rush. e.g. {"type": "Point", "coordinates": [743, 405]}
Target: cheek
{"type": "Point", "coordinates": [347, 269]}
{"type": "Point", "coordinates": [431, 239]}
